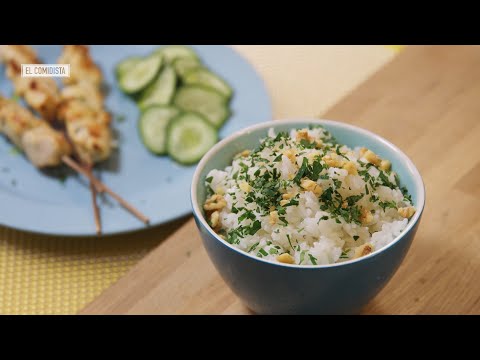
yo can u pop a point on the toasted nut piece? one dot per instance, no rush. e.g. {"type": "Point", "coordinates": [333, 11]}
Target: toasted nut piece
{"type": "Point", "coordinates": [302, 135]}
{"type": "Point", "coordinates": [363, 250]}
{"type": "Point", "coordinates": [318, 144]}
{"type": "Point", "coordinates": [273, 217]}
{"type": "Point", "coordinates": [362, 151]}
{"type": "Point", "coordinates": [385, 165]}
{"type": "Point", "coordinates": [372, 158]}
{"type": "Point", "coordinates": [312, 186]}
{"type": "Point", "coordinates": [215, 202]}
{"type": "Point", "coordinates": [214, 219]}
{"type": "Point", "coordinates": [350, 167]}
{"type": "Point", "coordinates": [221, 236]}
{"type": "Point", "coordinates": [344, 204]}
{"type": "Point", "coordinates": [286, 258]}
{"type": "Point", "coordinates": [366, 217]}
{"type": "Point", "coordinates": [332, 161]}
{"type": "Point", "coordinates": [288, 196]}
{"type": "Point", "coordinates": [244, 186]}
{"type": "Point", "coordinates": [284, 202]}
{"type": "Point", "coordinates": [244, 153]}
{"type": "Point", "coordinates": [291, 155]}
{"type": "Point", "coordinates": [406, 212]}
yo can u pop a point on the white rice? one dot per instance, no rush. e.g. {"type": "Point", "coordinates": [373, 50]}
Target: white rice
{"type": "Point", "coordinates": [311, 229]}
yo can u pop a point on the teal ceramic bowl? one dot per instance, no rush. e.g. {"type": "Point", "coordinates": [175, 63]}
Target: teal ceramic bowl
{"type": "Point", "coordinates": [274, 288]}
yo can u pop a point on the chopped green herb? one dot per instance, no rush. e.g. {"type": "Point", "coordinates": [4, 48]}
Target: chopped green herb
{"type": "Point", "coordinates": [273, 251]}
{"type": "Point", "coordinates": [254, 246]}
{"type": "Point", "coordinates": [313, 259]}
{"type": "Point", "coordinates": [356, 237]}
{"type": "Point", "coordinates": [14, 151]}
{"type": "Point", "coordinates": [257, 225]}
{"type": "Point", "coordinates": [278, 158]}
{"type": "Point", "coordinates": [385, 180]}
{"type": "Point", "coordinates": [302, 256]}
{"type": "Point", "coordinates": [387, 205]}
{"type": "Point", "coordinates": [120, 118]}
{"type": "Point", "coordinates": [289, 241]}
{"type": "Point", "coordinates": [263, 252]}
{"type": "Point", "coordinates": [301, 171]}
{"type": "Point", "coordinates": [209, 179]}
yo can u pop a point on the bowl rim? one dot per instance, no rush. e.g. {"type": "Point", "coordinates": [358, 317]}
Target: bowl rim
{"type": "Point", "coordinates": [273, 123]}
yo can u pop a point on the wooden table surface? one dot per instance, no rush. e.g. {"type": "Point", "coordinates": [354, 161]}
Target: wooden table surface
{"type": "Point", "coordinates": [427, 102]}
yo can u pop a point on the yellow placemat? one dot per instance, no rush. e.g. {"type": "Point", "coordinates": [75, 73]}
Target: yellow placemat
{"type": "Point", "coordinates": [53, 275]}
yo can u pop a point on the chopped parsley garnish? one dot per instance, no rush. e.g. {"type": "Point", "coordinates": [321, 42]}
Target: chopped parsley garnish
{"type": "Point", "coordinates": [302, 256]}
{"type": "Point", "coordinates": [273, 251]}
{"type": "Point", "coordinates": [356, 237]}
{"type": "Point", "coordinates": [120, 118]}
{"type": "Point", "coordinates": [385, 180]}
{"type": "Point", "coordinates": [387, 205]}
{"type": "Point", "coordinates": [14, 151]}
{"type": "Point", "coordinates": [289, 241]}
{"type": "Point", "coordinates": [301, 171]}
{"type": "Point", "coordinates": [257, 225]}
{"type": "Point", "coordinates": [313, 259]}
{"type": "Point", "coordinates": [263, 252]}
{"type": "Point", "coordinates": [307, 144]}
{"type": "Point", "coordinates": [278, 158]}
{"type": "Point", "coordinates": [209, 179]}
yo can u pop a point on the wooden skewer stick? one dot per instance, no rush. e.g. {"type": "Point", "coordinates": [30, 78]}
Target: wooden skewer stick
{"type": "Point", "coordinates": [101, 187]}
{"type": "Point", "coordinates": [96, 211]}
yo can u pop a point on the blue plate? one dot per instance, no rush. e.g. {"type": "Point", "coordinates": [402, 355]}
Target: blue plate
{"type": "Point", "coordinates": [47, 202]}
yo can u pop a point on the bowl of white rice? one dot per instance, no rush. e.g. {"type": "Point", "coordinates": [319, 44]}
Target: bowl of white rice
{"type": "Point", "coordinates": [306, 216]}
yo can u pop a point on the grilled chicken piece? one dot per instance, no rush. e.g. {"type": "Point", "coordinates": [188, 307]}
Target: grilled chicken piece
{"type": "Point", "coordinates": [88, 129]}
{"type": "Point", "coordinates": [45, 146]}
{"type": "Point", "coordinates": [82, 67]}
{"type": "Point", "coordinates": [92, 140]}
{"type": "Point", "coordinates": [15, 121]}
{"type": "Point", "coordinates": [85, 91]}
{"type": "Point", "coordinates": [19, 54]}
{"type": "Point", "coordinates": [39, 93]}
{"type": "Point", "coordinates": [42, 145]}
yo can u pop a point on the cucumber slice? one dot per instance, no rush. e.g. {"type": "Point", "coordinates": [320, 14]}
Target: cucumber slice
{"type": "Point", "coordinates": [185, 64]}
{"type": "Point", "coordinates": [201, 76]}
{"type": "Point", "coordinates": [161, 90]}
{"type": "Point", "coordinates": [207, 102]}
{"type": "Point", "coordinates": [124, 65]}
{"type": "Point", "coordinates": [189, 137]}
{"type": "Point", "coordinates": [153, 125]}
{"type": "Point", "coordinates": [172, 52]}
{"type": "Point", "coordinates": [140, 75]}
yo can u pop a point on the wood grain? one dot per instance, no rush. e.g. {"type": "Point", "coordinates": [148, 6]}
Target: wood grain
{"type": "Point", "coordinates": [427, 102]}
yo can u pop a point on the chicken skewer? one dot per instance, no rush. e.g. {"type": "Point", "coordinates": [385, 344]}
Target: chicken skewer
{"type": "Point", "coordinates": [41, 94]}
{"type": "Point", "coordinates": [79, 105]}
{"type": "Point", "coordinates": [50, 147]}
{"type": "Point", "coordinates": [81, 110]}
